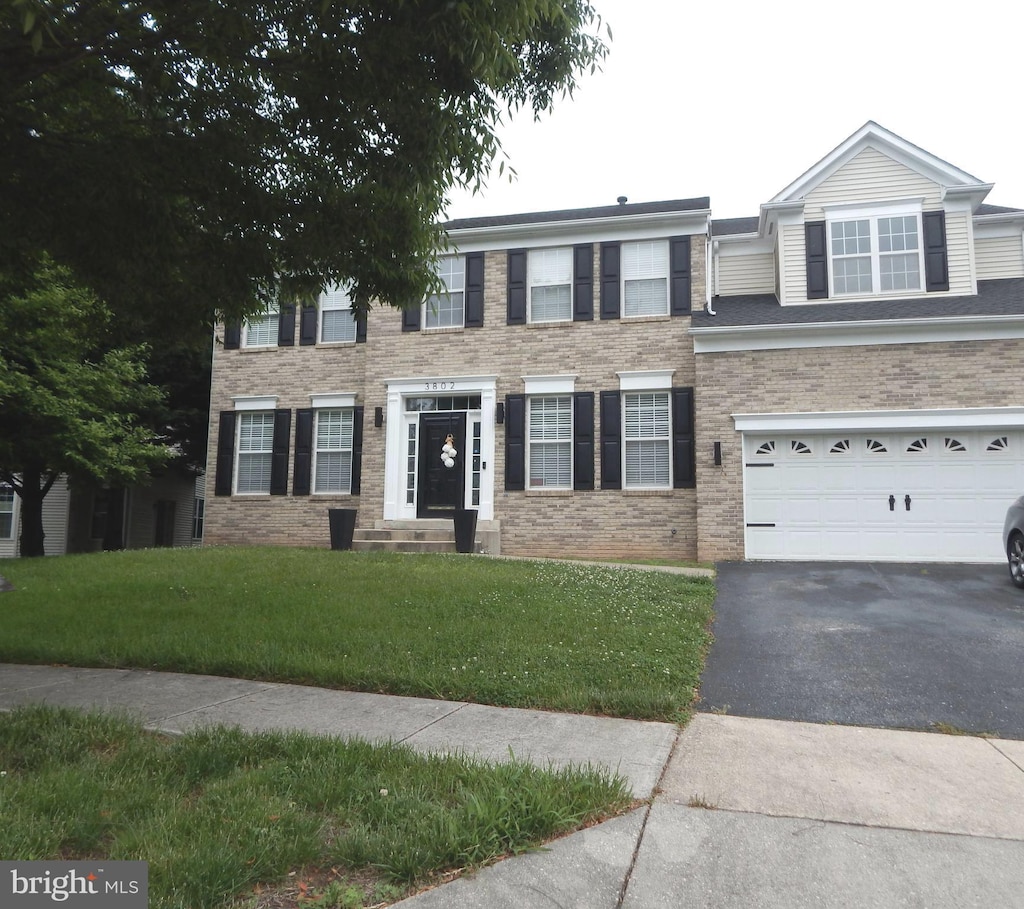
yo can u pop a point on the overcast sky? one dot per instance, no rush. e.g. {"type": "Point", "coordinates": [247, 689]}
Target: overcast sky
{"type": "Point", "coordinates": [735, 99]}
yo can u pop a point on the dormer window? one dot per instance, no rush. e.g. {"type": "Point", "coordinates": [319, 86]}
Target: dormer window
{"type": "Point", "coordinates": [875, 253]}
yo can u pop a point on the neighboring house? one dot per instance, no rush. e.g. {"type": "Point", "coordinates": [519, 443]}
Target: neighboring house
{"type": "Point", "coordinates": [832, 379]}
{"type": "Point", "coordinates": [861, 370]}
{"type": "Point", "coordinates": [163, 513]}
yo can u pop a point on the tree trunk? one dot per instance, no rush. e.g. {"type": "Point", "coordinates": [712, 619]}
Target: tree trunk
{"type": "Point", "coordinates": [32, 495]}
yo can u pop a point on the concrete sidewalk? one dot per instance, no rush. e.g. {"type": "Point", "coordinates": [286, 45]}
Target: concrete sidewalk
{"type": "Point", "coordinates": [745, 812]}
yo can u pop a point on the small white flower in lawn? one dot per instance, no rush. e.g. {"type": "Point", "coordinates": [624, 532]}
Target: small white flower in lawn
{"type": "Point", "coordinates": [383, 792]}
{"type": "Point", "coordinates": [3, 773]}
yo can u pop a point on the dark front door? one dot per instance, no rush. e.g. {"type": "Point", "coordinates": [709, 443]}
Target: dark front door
{"type": "Point", "coordinates": [441, 488]}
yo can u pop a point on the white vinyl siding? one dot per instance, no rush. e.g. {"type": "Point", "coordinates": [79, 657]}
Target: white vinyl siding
{"type": "Point", "coordinates": [958, 254]}
{"type": "Point", "coordinates": [645, 278]}
{"type": "Point", "coordinates": [793, 263]}
{"type": "Point", "coordinates": [333, 466]}
{"type": "Point", "coordinates": [550, 442]}
{"type": "Point", "coordinates": [447, 310]}
{"type": "Point", "coordinates": [7, 523]}
{"type": "Point", "coordinates": [871, 177]}
{"type": "Point", "coordinates": [254, 451]}
{"type": "Point", "coordinates": [261, 331]}
{"type": "Point", "coordinates": [647, 437]}
{"type": "Point", "coordinates": [753, 274]}
{"type": "Point", "coordinates": [999, 257]}
{"type": "Point", "coordinates": [550, 283]}
{"type": "Point", "coordinates": [337, 324]}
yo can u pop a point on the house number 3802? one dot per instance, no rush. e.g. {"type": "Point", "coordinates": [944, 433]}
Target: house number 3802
{"type": "Point", "coordinates": [440, 386]}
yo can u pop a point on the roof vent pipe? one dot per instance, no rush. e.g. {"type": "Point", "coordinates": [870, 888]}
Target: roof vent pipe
{"type": "Point", "coordinates": [622, 200]}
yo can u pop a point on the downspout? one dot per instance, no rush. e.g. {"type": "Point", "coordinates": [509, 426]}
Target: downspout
{"type": "Point", "coordinates": [712, 269]}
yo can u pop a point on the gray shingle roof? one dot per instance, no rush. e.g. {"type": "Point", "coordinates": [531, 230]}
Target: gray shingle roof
{"type": "Point", "coordinates": [986, 209]}
{"type": "Point", "coordinates": [722, 227]}
{"type": "Point", "coordinates": [995, 298]}
{"type": "Point", "coordinates": [701, 203]}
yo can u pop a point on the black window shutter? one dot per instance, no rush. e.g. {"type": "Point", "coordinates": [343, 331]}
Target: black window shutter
{"type": "Point", "coordinates": [684, 474]}
{"type": "Point", "coordinates": [411, 317]}
{"type": "Point", "coordinates": [232, 335]}
{"type": "Point", "coordinates": [515, 442]}
{"type": "Point", "coordinates": [611, 440]}
{"type": "Point", "coordinates": [936, 263]}
{"type": "Point", "coordinates": [817, 260]}
{"type": "Point", "coordinates": [679, 280]}
{"type": "Point", "coordinates": [583, 440]}
{"type": "Point", "coordinates": [474, 290]}
{"type": "Point", "coordinates": [279, 453]}
{"type": "Point", "coordinates": [610, 281]}
{"type": "Point", "coordinates": [307, 325]}
{"type": "Point", "coordinates": [583, 284]}
{"type": "Point", "coordinates": [357, 450]}
{"type": "Point", "coordinates": [516, 287]}
{"type": "Point", "coordinates": [303, 451]}
{"type": "Point", "coordinates": [286, 326]}
{"type": "Point", "coordinates": [225, 453]}
{"type": "Point", "coordinates": [361, 329]}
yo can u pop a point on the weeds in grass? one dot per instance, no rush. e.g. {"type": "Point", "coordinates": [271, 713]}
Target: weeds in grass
{"type": "Point", "coordinates": [219, 813]}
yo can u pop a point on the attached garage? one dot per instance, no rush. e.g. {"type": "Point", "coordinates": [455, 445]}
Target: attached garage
{"type": "Point", "coordinates": [930, 486]}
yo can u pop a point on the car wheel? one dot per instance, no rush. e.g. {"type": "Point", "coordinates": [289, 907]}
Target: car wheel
{"type": "Point", "coordinates": [1015, 556]}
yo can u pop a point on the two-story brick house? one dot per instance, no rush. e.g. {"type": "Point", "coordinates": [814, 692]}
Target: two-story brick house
{"type": "Point", "coordinates": [831, 379]}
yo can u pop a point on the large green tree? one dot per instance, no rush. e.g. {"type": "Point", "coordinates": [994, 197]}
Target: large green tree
{"type": "Point", "coordinates": [183, 156]}
{"type": "Point", "coordinates": [71, 400]}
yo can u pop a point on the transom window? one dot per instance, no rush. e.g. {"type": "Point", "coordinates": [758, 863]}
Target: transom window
{"type": "Point", "coordinates": [261, 331]}
{"type": "Point", "coordinates": [550, 282]}
{"type": "Point", "coordinates": [550, 444]}
{"type": "Point", "coordinates": [255, 451]}
{"type": "Point", "coordinates": [6, 512]}
{"type": "Point", "coordinates": [645, 278]}
{"type": "Point", "coordinates": [447, 309]}
{"type": "Point", "coordinates": [880, 254]}
{"type": "Point", "coordinates": [648, 435]}
{"type": "Point", "coordinates": [333, 454]}
{"type": "Point", "coordinates": [337, 323]}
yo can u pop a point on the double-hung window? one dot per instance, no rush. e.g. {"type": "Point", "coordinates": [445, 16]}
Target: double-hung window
{"type": "Point", "coordinates": [255, 451]}
{"type": "Point", "coordinates": [337, 323]}
{"type": "Point", "coordinates": [333, 451]}
{"type": "Point", "coordinates": [261, 330]}
{"type": "Point", "coordinates": [6, 512]}
{"type": "Point", "coordinates": [550, 283]}
{"type": "Point", "coordinates": [447, 309]}
{"type": "Point", "coordinates": [645, 268]}
{"type": "Point", "coordinates": [876, 253]}
{"type": "Point", "coordinates": [550, 441]}
{"type": "Point", "coordinates": [648, 439]}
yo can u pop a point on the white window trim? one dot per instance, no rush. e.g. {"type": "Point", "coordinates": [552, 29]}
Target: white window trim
{"type": "Point", "coordinates": [319, 408]}
{"type": "Point", "coordinates": [625, 440]}
{"type": "Point", "coordinates": [666, 275]}
{"type": "Point", "coordinates": [255, 402]}
{"type": "Point", "coordinates": [550, 442]}
{"type": "Point", "coordinates": [530, 285]}
{"type": "Point", "coordinates": [13, 512]}
{"type": "Point", "coordinates": [333, 400]}
{"type": "Point", "coordinates": [872, 214]}
{"type": "Point", "coordinates": [239, 453]}
{"type": "Point", "coordinates": [549, 385]}
{"type": "Point", "coordinates": [323, 307]}
{"type": "Point", "coordinates": [273, 340]}
{"type": "Point", "coordinates": [425, 308]}
{"type": "Point", "coordinates": [645, 379]}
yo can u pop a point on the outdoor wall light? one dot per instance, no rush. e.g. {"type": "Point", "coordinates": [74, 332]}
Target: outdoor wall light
{"type": "Point", "coordinates": [499, 414]}
{"type": "Point", "coordinates": [378, 417]}
{"type": "Point", "coordinates": [718, 454]}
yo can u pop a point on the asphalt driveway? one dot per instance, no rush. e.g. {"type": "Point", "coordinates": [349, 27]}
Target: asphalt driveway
{"type": "Point", "coordinates": [869, 644]}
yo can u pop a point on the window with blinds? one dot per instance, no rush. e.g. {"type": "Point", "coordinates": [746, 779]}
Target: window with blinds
{"type": "Point", "coordinates": [255, 450]}
{"type": "Point", "coordinates": [337, 324]}
{"type": "Point", "coordinates": [550, 283]}
{"type": "Point", "coordinates": [333, 451]}
{"type": "Point", "coordinates": [645, 278]}
{"type": "Point", "coordinates": [261, 331]}
{"type": "Point", "coordinates": [648, 440]}
{"type": "Point", "coordinates": [6, 512]}
{"type": "Point", "coordinates": [447, 310]}
{"type": "Point", "coordinates": [550, 442]}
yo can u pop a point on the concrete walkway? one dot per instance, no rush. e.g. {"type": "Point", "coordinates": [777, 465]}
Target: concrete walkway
{"type": "Point", "coordinates": [745, 812]}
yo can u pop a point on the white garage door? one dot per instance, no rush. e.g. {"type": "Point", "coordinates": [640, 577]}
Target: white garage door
{"type": "Point", "coordinates": [934, 495]}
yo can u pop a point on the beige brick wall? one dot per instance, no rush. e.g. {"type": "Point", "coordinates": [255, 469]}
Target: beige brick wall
{"type": "Point", "coordinates": [599, 523]}
{"type": "Point", "coordinates": [879, 377]}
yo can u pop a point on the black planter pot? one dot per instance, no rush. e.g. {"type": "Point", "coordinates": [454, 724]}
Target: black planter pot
{"type": "Point", "coordinates": [343, 525]}
{"type": "Point", "coordinates": [465, 529]}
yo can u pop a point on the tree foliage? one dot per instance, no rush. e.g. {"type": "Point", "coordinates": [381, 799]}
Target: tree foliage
{"type": "Point", "coordinates": [186, 155]}
{"type": "Point", "coordinates": [71, 399]}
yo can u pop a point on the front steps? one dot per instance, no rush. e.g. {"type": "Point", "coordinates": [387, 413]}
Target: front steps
{"type": "Point", "coordinates": [428, 535]}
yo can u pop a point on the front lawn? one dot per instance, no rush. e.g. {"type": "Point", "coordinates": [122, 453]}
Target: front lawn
{"type": "Point", "coordinates": [560, 636]}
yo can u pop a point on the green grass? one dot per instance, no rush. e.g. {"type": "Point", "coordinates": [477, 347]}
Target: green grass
{"type": "Point", "coordinates": [219, 814]}
{"type": "Point", "coordinates": [561, 636]}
